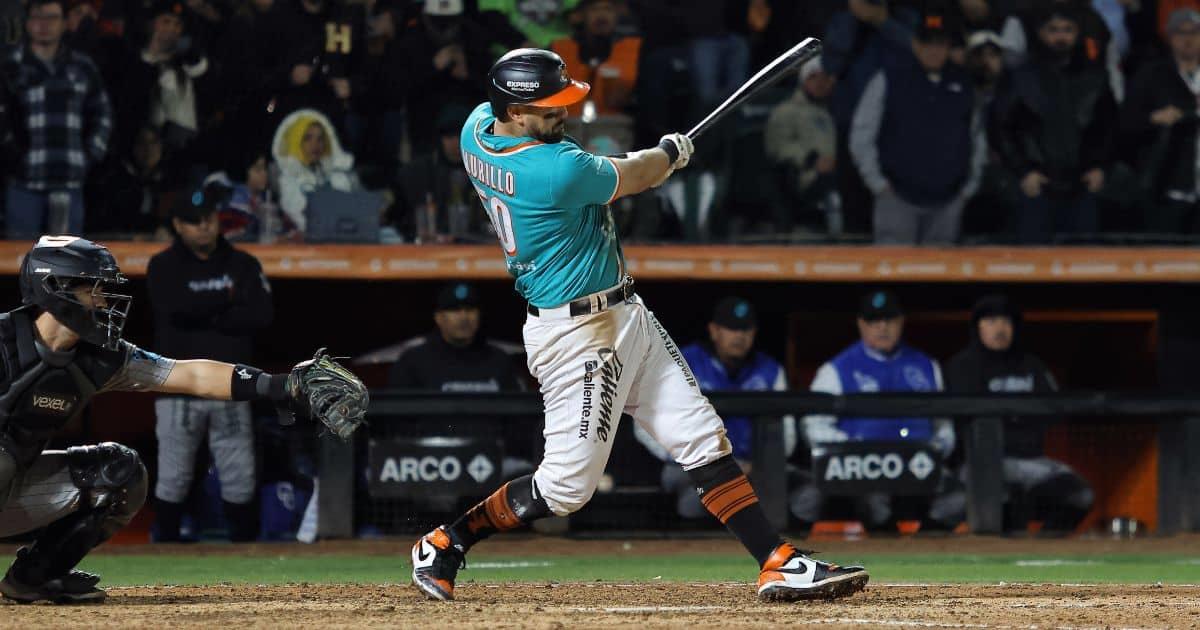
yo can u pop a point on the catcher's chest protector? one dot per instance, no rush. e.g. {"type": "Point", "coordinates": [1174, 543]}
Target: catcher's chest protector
{"type": "Point", "coordinates": [42, 389]}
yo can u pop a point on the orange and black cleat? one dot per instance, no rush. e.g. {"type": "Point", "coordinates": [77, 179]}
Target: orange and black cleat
{"type": "Point", "coordinates": [790, 575]}
{"type": "Point", "coordinates": [436, 562]}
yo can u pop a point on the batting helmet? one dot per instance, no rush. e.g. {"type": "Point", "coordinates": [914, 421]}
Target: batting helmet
{"type": "Point", "coordinates": [529, 76]}
{"type": "Point", "coordinates": [59, 265]}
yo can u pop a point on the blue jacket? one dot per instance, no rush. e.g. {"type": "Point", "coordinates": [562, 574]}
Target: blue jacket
{"type": "Point", "coordinates": [859, 370]}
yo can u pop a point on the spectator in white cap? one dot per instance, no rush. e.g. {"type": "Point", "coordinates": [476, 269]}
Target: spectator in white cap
{"type": "Point", "coordinates": [449, 48]}
{"type": "Point", "coordinates": [1160, 128]}
{"type": "Point", "coordinates": [802, 142]}
{"type": "Point", "coordinates": [985, 62]}
{"type": "Point", "coordinates": [986, 212]}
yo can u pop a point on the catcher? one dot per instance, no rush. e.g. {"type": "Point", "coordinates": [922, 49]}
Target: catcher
{"type": "Point", "coordinates": [64, 346]}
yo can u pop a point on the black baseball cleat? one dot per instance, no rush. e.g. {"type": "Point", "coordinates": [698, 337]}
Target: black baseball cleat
{"type": "Point", "coordinates": [790, 575]}
{"type": "Point", "coordinates": [436, 562]}
{"type": "Point", "coordinates": [76, 587]}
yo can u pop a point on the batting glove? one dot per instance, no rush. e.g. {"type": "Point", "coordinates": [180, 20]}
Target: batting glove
{"type": "Point", "coordinates": [678, 147]}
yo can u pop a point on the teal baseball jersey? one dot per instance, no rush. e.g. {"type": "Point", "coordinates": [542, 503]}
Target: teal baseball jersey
{"type": "Point", "coordinates": [549, 206]}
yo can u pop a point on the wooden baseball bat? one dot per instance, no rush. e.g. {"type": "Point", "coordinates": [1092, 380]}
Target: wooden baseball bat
{"type": "Point", "coordinates": [772, 72]}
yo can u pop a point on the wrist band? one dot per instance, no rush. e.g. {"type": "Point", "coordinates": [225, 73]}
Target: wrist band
{"type": "Point", "coordinates": [243, 383]}
{"type": "Point", "coordinates": [670, 148]}
{"type": "Point", "coordinates": [251, 383]}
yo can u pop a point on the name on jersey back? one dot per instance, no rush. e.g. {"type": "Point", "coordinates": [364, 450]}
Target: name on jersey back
{"type": "Point", "coordinates": [498, 179]}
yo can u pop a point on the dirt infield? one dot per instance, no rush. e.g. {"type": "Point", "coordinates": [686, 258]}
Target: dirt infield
{"type": "Point", "coordinates": [720, 542]}
{"type": "Point", "coordinates": [644, 605]}
{"type": "Point", "coordinates": [606, 605]}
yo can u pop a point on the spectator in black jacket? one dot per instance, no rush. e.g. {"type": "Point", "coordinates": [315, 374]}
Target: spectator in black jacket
{"type": "Point", "coordinates": [209, 300]}
{"type": "Point", "coordinates": [165, 84]}
{"type": "Point", "coordinates": [435, 184]}
{"type": "Point", "coordinates": [1052, 127]}
{"type": "Point", "coordinates": [1161, 128]}
{"type": "Point", "coordinates": [995, 361]}
{"type": "Point", "coordinates": [455, 358]}
{"type": "Point", "coordinates": [312, 55]}
{"type": "Point", "coordinates": [446, 47]}
{"type": "Point", "coordinates": [129, 196]}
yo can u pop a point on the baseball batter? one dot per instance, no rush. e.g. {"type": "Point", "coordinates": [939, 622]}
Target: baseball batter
{"type": "Point", "coordinates": [594, 347]}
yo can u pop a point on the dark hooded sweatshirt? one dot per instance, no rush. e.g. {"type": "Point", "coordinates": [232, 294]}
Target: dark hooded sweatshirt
{"type": "Point", "coordinates": [211, 308]}
{"type": "Point", "coordinates": [978, 370]}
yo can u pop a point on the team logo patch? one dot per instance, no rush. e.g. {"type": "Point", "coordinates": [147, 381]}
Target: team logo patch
{"type": "Point", "coordinates": [51, 403]}
{"type": "Point", "coordinates": [865, 382]}
{"type": "Point", "coordinates": [611, 369]}
{"type": "Point", "coordinates": [916, 379]}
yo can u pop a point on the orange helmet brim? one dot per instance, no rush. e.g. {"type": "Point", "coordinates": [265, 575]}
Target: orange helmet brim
{"type": "Point", "coordinates": [573, 93]}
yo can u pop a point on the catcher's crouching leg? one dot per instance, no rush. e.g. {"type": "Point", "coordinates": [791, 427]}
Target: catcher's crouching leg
{"type": "Point", "coordinates": [113, 484]}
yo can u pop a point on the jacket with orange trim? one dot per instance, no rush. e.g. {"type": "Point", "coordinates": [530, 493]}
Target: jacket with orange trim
{"type": "Point", "coordinates": [608, 65]}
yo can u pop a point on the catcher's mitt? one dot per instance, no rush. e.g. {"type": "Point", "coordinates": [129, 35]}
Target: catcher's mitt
{"type": "Point", "coordinates": [321, 388]}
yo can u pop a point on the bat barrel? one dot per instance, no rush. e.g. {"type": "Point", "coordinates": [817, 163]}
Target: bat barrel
{"type": "Point", "coordinates": [769, 74]}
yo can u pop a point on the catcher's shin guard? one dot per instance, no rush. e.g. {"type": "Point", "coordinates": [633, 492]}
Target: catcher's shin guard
{"type": "Point", "coordinates": [436, 562]}
{"type": "Point", "coordinates": [114, 484]}
{"type": "Point", "coordinates": [790, 575]}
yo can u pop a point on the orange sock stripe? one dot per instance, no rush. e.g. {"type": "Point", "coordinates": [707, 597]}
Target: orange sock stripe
{"type": "Point", "coordinates": [715, 495]}
{"type": "Point", "coordinates": [738, 506]}
{"type": "Point", "coordinates": [499, 512]}
{"type": "Point", "coordinates": [730, 498]}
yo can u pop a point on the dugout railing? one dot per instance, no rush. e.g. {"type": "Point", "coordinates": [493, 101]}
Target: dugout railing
{"type": "Point", "coordinates": [1176, 416]}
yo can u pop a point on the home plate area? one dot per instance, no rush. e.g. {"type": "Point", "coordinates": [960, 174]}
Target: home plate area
{"type": "Point", "coordinates": [644, 605]}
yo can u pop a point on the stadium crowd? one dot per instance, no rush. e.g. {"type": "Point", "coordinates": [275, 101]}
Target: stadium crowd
{"type": "Point", "coordinates": [924, 121]}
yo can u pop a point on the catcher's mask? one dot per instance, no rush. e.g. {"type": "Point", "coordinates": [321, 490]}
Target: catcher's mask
{"type": "Point", "coordinates": [52, 275]}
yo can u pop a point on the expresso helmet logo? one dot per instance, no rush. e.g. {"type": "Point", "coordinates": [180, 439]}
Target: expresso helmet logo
{"type": "Point", "coordinates": [523, 86]}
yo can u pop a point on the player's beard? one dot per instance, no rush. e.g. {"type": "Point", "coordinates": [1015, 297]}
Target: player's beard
{"type": "Point", "coordinates": [554, 134]}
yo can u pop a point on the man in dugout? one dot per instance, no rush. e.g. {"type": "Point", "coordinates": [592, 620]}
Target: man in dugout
{"type": "Point", "coordinates": [996, 361]}
{"type": "Point", "coordinates": [456, 358]}
{"type": "Point", "coordinates": [880, 362]}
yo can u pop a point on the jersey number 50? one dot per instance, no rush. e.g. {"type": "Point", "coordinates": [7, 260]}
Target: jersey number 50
{"type": "Point", "coordinates": [502, 222]}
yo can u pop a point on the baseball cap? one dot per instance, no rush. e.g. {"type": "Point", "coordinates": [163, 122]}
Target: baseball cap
{"type": "Point", "coordinates": [810, 67]}
{"type": "Point", "coordinates": [933, 27]}
{"type": "Point", "coordinates": [202, 202]}
{"type": "Point", "coordinates": [735, 313]}
{"type": "Point", "coordinates": [979, 39]}
{"type": "Point", "coordinates": [457, 295]}
{"type": "Point", "coordinates": [1181, 18]}
{"type": "Point", "coordinates": [443, 7]}
{"type": "Point", "coordinates": [878, 305]}
{"type": "Point", "coordinates": [1059, 10]}
{"type": "Point", "coordinates": [167, 7]}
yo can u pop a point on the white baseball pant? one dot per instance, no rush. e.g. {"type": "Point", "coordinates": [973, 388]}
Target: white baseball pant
{"type": "Point", "coordinates": [593, 367]}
